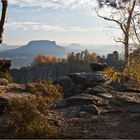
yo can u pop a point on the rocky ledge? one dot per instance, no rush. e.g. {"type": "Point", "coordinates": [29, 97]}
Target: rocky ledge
{"type": "Point", "coordinates": [92, 108]}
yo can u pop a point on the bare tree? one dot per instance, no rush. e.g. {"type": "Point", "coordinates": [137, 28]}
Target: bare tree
{"type": "Point", "coordinates": [3, 17]}
{"type": "Point", "coordinates": [126, 15]}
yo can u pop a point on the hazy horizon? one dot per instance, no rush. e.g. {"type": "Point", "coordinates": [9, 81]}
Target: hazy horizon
{"type": "Point", "coordinates": [58, 43]}
{"type": "Point", "coordinates": [100, 49]}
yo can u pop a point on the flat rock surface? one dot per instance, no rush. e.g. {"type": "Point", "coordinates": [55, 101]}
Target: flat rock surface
{"type": "Point", "coordinates": [110, 125]}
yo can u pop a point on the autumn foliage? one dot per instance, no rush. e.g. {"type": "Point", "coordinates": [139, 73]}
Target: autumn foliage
{"type": "Point", "coordinates": [41, 59]}
{"type": "Point", "coordinates": [83, 56]}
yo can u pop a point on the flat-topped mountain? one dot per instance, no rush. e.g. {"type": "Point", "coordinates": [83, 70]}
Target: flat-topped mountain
{"type": "Point", "coordinates": [25, 54]}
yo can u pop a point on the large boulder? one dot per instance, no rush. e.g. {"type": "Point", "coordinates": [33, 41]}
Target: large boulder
{"type": "Point", "coordinates": [65, 81]}
{"type": "Point", "coordinates": [98, 66]}
{"type": "Point", "coordinates": [88, 79]}
{"type": "Point", "coordinates": [77, 83]}
{"type": "Point", "coordinates": [69, 87]}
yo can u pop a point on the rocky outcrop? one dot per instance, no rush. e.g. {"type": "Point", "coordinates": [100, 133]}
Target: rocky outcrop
{"type": "Point", "coordinates": [88, 79]}
{"type": "Point", "coordinates": [76, 83]}
{"type": "Point", "coordinates": [5, 65]}
{"type": "Point", "coordinates": [94, 108]}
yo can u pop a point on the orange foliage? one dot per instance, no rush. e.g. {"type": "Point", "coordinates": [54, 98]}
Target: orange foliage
{"type": "Point", "coordinates": [40, 59]}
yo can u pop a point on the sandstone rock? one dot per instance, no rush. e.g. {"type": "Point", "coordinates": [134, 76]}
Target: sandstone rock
{"type": "Point", "coordinates": [3, 81]}
{"type": "Point", "coordinates": [69, 87]}
{"type": "Point", "coordinates": [132, 89]}
{"type": "Point", "coordinates": [65, 81]}
{"type": "Point", "coordinates": [90, 109]}
{"type": "Point", "coordinates": [117, 86]}
{"type": "Point", "coordinates": [96, 90]}
{"type": "Point", "coordinates": [88, 79]}
{"type": "Point", "coordinates": [100, 92]}
{"type": "Point", "coordinates": [77, 83]}
{"type": "Point", "coordinates": [106, 95]}
{"type": "Point", "coordinates": [85, 99]}
{"type": "Point", "coordinates": [107, 87]}
{"type": "Point", "coordinates": [98, 66]}
{"type": "Point", "coordinates": [77, 89]}
{"type": "Point", "coordinates": [127, 97]}
{"type": "Point", "coordinates": [3, 105]}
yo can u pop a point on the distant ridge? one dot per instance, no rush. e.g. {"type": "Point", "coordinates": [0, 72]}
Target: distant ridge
{"type": "Point", "coordinates": [5, 47]}
{"type": "Point", "coordinates": [24, 55]}
{"type": "Point", "coordinates": [100, 49]}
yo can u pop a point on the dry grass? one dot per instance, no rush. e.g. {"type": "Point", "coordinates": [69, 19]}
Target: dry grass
{"type": "Point", "coordinates": [46, 89]}
{"type": "Point", "coordinates": [29, 119]}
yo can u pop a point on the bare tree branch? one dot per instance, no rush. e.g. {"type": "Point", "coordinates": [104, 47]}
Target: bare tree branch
{"type": "Point", "coordinates": [113, 20]}
{"type": "Point", "coordinates": [135, 31]}
{"type": "Point", "coordinates": [118, 40]}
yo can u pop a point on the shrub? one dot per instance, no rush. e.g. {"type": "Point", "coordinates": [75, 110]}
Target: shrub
{"type": "Point", "coordinates": [30, 87]}
{"type": "Point", "coordinates": [46, 88]}
{"type": "Point", "coordinates": [29, 119]}
{"type": "Point", "coordinates": [133, 72]}
{"type": "Point", "coordinates": [112, 74]}
{"type": "Point", "coordinates": [130, 75]}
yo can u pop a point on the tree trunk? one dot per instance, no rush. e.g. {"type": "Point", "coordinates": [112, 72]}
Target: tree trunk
{"type": "Point", "coordinates": [127, 33]}
{"type": "Point", "coordinates": [126, 47]}
{"type": "Point", "coordinates": [3, 17]}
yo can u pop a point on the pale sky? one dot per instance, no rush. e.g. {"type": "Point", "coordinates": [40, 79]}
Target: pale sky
{"type": "Point", "coordinates": [65, 21]}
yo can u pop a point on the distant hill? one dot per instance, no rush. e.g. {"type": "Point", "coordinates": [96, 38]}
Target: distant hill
{"type": "Point", "coordinates": [24, 55]}
{"type": "Point", "coordinates": [99, 49]}
{"type": "Point", "coordinates": [5, 47]}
